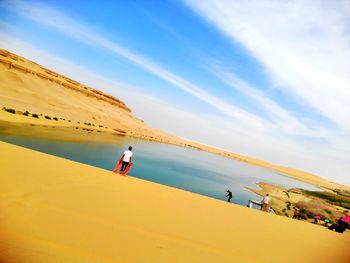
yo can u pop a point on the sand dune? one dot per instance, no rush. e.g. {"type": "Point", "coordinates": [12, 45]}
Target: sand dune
{"type": "Point", "coordinates": [28, 86]}
{"type": "Point", "coordinates": [55, 210]}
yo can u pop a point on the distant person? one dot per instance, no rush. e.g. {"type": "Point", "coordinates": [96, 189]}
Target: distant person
{"type": "Point", "coordinates": [342, 224]}
{"type": "Point", "coordinates": [271, 211]}
{"type": "Point", "coordinates": [229, 195]}
{"type": "Point", "coordinates": [316, 219]}
{"type": "Point", "coordinates": [266, 203]}
{"type": "Point", "coordinates": [326, 222]}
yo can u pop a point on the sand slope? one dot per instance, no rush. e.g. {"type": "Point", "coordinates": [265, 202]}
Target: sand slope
{"type": "Point", "coordinates": [28, 86]}
{"type": "Point", "coordinates": [55, 210]}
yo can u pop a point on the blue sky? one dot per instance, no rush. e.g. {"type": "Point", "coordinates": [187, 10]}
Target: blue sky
{"type": "Point", "coordinates": [269, 79]}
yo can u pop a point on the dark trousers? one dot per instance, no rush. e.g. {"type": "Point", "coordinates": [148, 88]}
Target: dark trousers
{"type": "Point", "coordinates": [124, 165]}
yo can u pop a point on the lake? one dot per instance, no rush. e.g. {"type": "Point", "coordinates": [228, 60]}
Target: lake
{"type": "Point", "coordinates": [188, 169]}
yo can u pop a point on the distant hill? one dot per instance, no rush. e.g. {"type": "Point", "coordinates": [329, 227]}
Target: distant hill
{"type": "Point", "coordinates": [28, 86]}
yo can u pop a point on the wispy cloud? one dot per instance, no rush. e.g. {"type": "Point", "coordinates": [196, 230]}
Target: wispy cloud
{"type": "Point", "coordinates": [69, 26]}
{"type": "Point", "coordinates": [283, 119]}
{"type": "Point", "coordinates": [304, 47]}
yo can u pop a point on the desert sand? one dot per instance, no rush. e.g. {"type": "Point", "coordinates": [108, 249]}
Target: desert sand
{"type": "Point", "coordinates": [56, 210]}
{"type": "Point", "coordinates": [28, 86]}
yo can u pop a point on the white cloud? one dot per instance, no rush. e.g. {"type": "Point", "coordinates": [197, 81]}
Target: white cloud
{"type": "Point", "coordinates": [304, 47]}
{"type": "Point", "coordinates": [283, 119]}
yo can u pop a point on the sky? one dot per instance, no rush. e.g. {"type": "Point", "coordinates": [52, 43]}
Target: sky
{"type": "Point", "coordinates": [267, 79]}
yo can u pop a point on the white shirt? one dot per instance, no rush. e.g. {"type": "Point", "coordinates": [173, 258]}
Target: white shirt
{"type": "Point", "coordinates": [127, 156]}
{"type": "Point", "coordinates": [266, 200]}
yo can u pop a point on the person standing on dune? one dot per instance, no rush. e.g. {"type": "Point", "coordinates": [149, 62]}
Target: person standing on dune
{"type": "Point", "coordinates": [124, 161]}
{"type": "Point", "coordinates": [266, 203]}
{"type": "Point", "coordinates": [229, 195]}
{"type": "Point", "coordinates": [127, 156]}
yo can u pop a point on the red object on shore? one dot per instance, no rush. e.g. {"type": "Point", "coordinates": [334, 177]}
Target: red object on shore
{"type": "Point", "coordinates": [127, 169]}
{"type": "Point", "coordinates": [117, 166]}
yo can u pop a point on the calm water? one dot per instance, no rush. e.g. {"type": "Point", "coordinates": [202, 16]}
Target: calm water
{"type": "Point", "coordinates": [187, 169]}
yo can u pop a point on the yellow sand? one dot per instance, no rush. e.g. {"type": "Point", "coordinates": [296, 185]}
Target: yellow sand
{"type": "Point", "coordinates": [55, 210]}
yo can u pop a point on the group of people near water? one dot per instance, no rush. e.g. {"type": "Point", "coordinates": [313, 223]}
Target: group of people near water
{"type": "Point", "coordinates": [125, 162]}
{"type": "Point", "coordinates": [340, 226]}
{"type": "Point", "coordinates": [265, 203]}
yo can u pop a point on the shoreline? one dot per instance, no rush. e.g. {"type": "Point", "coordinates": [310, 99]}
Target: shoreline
{"type": "Point", "coordinates": [81, 132]}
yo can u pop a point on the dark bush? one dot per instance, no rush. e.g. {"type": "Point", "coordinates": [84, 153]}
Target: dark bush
{"type": "Point", "coordinates": [302, 216]}
{"type": "Point", "coordinates": [35, 115]}
{"type": "Point", "coordinates": [328, 211]}
{"type": "Point", "coordinates": [26, 113]}
{"type": "Point", "coordinates": [10, 111]}
{"type": "Point", "coordinates": [55, 118]}
{"type": "Point", "coordinates": [48, 117]}
{"type": "Point", "coordinates": [286, 194]}
{"type": "Point", "coordinates": [288, 205]}
{"type": "Point", "coordinates": [302, 211]}
{"type": "Point", "coordinates": [310, 215]}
